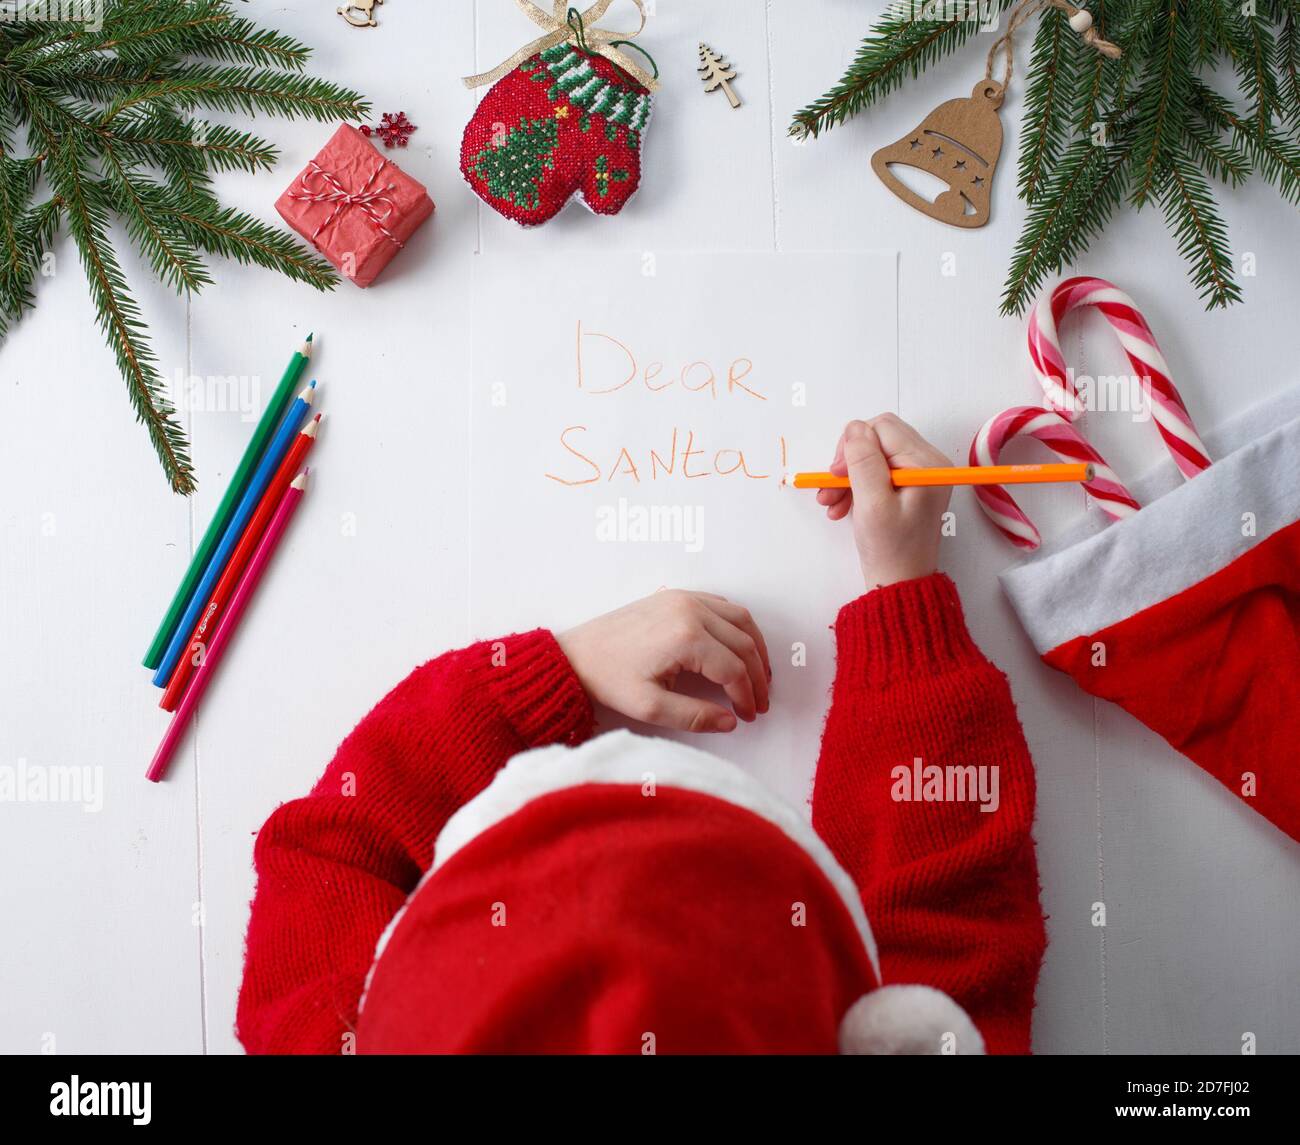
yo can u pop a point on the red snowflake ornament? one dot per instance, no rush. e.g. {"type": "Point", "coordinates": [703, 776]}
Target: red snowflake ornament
{"type": "Point", "coordinates": [394, 130]}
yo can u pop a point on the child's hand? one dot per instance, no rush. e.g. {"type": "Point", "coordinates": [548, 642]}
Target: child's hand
{"type": "Point", "coordinates": [629, 659]}
{"type": "Point", "coordinates": [897, 530]}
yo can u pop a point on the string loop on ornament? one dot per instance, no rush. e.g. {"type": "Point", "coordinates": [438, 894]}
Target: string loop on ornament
{"type": "Point", "coordinates": [567, 23]}
{"type": "Point", "coordinates": [574, 20]}
{"type": "Point", "coordinates": [637, 47]}
{"type": "Point", "coordinates": [1023, 11]}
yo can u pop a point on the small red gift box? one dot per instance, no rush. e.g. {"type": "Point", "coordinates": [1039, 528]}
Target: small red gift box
{"type": "Point", "coordinates": [354, 206]}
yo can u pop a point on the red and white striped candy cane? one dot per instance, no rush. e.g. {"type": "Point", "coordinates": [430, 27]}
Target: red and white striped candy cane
{"type": "Point", "coordinates": [1055, 432]}
{"type": "Point", "coordinates": [1139, 344]}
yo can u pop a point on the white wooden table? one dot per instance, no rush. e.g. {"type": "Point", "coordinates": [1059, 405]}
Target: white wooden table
{"type": "Point", "coordinates": [124, 926]}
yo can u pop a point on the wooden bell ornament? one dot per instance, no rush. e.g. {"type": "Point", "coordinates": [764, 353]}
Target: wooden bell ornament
{"type": "Point", "coordinates": [958, 142]}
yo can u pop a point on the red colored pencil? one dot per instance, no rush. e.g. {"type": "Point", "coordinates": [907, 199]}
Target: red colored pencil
{"type": "Point", "coordinates": [225, 589]}
{"type": "Point", "coordinates": [221, 636]}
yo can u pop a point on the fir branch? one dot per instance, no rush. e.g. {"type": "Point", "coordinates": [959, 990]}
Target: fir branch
{"type": "Point", "coordinates": [1273, 155]}
{"type": "Point", "coordinates": [1087, 187]}
{"type": "Point", "coordinates": [1286, 63]}
{"type": "Point", "coordinates": [26, 238]}
{"type": "Point", "coordinates": [1211, 106]}
{"type": "Point", "coordinates": [108, 117]}
{"type": "Point", "coordinates": [1218, 159]}
{"type": "Point", "coordinates": [140, 31]}
{"type": "Point", "coordinates": [1202, 238]}
{"type": "Point", "coordinates": [246, 91]}
{"type": "Point", "coordinates": [39, 227]}
{"type": "Point", "coordinates": [1049, 93]}
{"type": "Point", "coordinates": [97, 79]}
{"type": "Point", "coordinates": [118, 315]}
{"type": "Point", "coordinates": [1174, 132]}
{"type": "Point", "coordinates": [17, 186]}
{"type": "Point", "coordinates": [1091, 75]}
{"type": "Point", "coordinates": [36, 232]}
{"type": "Point", "coordinates": [897, 48]}
{"type": "Point", "coordinates": [1135, 31]}
{"type": "Point", "coordinates": [162, 138]}
{"type": "Point", "coordinates": [1251, 46]}
{"type": "Point", "coordinates": [186, 177]}
{"type": "Point", "coordinates": [1211, 30]}
{"type": "Point", "coordinates": [1161, 101]}
{"type": "Point", "coordinates": [240, 41]}
{"type": "Point", "coordinates": [228, 233]}
{"type": "Point", "coordinates": [142, 205]}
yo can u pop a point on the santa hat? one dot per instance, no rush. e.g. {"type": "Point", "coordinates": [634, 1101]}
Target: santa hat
{"type": "Point", "coordinates": [1185, 610]}
{"type": "Point", "coordinates": [636, 895]}
{"type": "Point", "coordinates": [1187, 613]}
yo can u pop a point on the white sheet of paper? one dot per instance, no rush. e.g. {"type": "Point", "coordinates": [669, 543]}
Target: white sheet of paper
{"type": "Point", "coordinates": [632, 416]}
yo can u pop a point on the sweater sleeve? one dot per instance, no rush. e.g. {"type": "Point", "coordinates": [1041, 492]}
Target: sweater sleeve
{"type": "Point", "coordinates": [950, 885]}
{"type": "Point", "coordinates": [335, 867]}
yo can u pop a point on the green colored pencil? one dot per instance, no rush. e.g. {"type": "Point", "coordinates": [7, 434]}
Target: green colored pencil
{"type": "Point", "coordinates": [234, 492]}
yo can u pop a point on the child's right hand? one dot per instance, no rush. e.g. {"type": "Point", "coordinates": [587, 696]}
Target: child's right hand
{"type": "Point", "coordinates": [896, 530]}
{"type": "Point", "coordinates": [630, 659]}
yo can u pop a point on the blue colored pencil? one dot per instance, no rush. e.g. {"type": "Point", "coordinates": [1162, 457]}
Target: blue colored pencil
{"type": "Point", "coordinates": [266, 468]}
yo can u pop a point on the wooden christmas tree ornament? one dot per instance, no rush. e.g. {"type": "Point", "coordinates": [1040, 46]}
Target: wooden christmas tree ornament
{"type": "Point", "coordinates": [716, 73]}
{"type": "Point", "coordinates": [958, 142]}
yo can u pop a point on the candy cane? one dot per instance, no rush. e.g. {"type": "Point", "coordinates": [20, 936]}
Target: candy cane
{"type": "Point", "coordinates": [1055, 432]}
{"type": "Point", "coordinates": [1171, 416]}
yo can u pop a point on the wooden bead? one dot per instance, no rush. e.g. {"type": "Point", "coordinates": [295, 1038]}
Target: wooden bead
{"type": "Point", "coordinates": [1081, 21]}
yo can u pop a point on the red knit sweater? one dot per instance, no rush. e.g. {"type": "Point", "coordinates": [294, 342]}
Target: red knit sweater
{"type": "Point", "coordinates": [951, 891]}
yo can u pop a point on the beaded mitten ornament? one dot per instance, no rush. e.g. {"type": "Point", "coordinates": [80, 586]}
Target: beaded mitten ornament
{"type": "Point", "coordinates": [565, 114]}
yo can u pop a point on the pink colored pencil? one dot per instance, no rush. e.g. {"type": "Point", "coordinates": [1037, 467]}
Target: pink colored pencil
{"type": "Point", "coordinates": [229, 622]}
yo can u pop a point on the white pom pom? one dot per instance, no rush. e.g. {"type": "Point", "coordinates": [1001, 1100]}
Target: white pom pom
{"type": "Point", "coordinates": [1081, 21]}
{"type": "Point", "coordinates": [908, 1020]}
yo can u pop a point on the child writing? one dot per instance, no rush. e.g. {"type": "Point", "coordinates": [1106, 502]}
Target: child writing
{"type": "Point", "coordinates": [475, 872]}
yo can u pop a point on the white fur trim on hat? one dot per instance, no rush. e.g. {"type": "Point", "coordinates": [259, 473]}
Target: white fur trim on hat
{"type": "Point", "coordinates": [624, 758]}
{"type": "Point", "coordinates": [908, 1020]}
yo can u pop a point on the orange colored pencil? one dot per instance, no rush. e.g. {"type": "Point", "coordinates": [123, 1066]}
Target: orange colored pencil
{"type": "Point", "coordinates": [957, 475]}
{"type": "Point", "coordinates": [229, 582]}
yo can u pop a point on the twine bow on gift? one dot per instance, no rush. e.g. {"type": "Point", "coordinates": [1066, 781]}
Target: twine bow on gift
{"type": "Point", "coordinates": [334, 192]}
{"type": "Point", "coordinates": [576, 27]}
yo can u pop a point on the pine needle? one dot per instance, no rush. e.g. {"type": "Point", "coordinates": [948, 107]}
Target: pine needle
{"type": "Point", "coordinates": [1161, 102]}
{"type": "Point", "coordinates": [1049, 102]}
{"type": "Point", "coordinates": [1202, 237]}
{"type": "Point", "coordinates": [1286, 65]}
